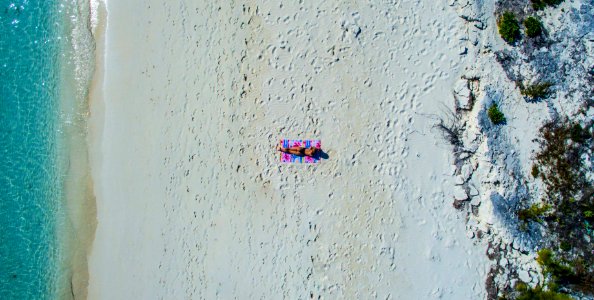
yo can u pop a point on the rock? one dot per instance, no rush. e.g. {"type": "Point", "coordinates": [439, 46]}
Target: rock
{"type": "Point", "coordinates": [490, 253]}
{"type": "Point", "coordinates": [513, 282]}
{"type": "Point", "coordinates": [463, 94]}
{"type": "Point", "coordinates": [458, 180]}
{"type": "Point", "coordinates": [486, 210]}
{"type": "Point", "coordinates": [503, 262]}
{"type": "Point", "coordinates": [452, 170]}
{"type": "Point", "coordinates": [590, 113]}
{"type": "Point", "coordinates": [588, 41]}
{"type": "Point", "coordinates": [476, 201]}
{"type": "Point", "coordinates": [464, 155]}
{"type": "Point", "coordinates": [466, 171]}
{"type": "Point", "coordinates": [460, 193]}
{"type": "Point", "coordinates": [470, 234]}
{"type": "Point", "coordinates": [514, 244]}
{"type": "Point", "coordinates": [524, 276]}
{"type": "Point", "coordinates": [534, 277]}
{"type": "Point", "coordinates": [472, 191]}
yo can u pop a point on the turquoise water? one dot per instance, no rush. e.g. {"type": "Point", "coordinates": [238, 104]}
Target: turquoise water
{"type": "Point", "coordinates": [32, 48]}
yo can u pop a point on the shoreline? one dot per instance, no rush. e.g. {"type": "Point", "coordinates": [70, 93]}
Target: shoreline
{"type": "Point", "coordinates": [96, 118]}
{"type": "Point", "coordinates": [79, 205]}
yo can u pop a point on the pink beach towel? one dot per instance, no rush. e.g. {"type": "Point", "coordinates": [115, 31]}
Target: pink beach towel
{"type": "Point", "coordinates": [292, 158]}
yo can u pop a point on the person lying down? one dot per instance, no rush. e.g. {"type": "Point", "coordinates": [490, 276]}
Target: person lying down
{"type": "Point", "coordinates": [299, 151]}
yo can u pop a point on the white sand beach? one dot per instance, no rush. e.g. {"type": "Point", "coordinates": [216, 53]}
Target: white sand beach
{"type": "Point", "coordinates": [191, 98]}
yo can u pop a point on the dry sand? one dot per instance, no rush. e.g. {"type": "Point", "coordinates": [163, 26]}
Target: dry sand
{"type": "Point", "coordinates": [191, 199]}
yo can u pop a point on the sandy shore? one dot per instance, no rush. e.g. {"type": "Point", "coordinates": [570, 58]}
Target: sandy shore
{"type": "Point", "coordinates": [191, 199]}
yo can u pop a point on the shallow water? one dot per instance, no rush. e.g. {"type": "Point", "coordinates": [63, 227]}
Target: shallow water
{"type": "Point", "coordinates": [33, 155]}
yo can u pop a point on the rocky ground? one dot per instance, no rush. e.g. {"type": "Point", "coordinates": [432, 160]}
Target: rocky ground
{"type": "Point", "coordinates": [493, 162]}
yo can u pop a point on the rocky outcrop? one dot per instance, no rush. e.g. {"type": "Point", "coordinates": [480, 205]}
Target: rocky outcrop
{"type": "Point", "coordinates": [491, 166]}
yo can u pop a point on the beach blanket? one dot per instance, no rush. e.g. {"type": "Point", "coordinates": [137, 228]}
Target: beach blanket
{"type": "Point", "coordinates": [292, 158]}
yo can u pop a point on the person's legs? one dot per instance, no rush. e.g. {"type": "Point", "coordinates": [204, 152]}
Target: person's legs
{"type": "Point", "coordinates": [295, 150]}
{"type": "Point", "coordinates": [292, 150]}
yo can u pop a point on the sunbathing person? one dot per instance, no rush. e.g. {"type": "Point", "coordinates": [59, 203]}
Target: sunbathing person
{"type": "Point", "coordinates": [300, 151]}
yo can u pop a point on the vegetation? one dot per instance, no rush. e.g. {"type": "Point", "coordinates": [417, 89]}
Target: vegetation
{"type": "Point", "coordinates": [535, 171]}
{"type": "Point", "coordinates": [541, 4]}
{"type": "Point", "coordinates": [533, 27]}
{"type": "Point", "coordinates": [560, 272]}
{"type": "Point", "coordinates": [570, 198]}
{"type": "Point", "coordinates": [578, 134]}
{"type": "Point", "coordinates": [536, 91]}
{"type": "Point", "coordinates": [495, 115]}
{"type": "Point", "coordinates": [509, 29]}
{"type": "Point", "coordinates": [451, 129]}
{"type": "Point", "coordinates": [537, 293]}
{"type": "Point", "coordinates": [534, 213]}
{"type": "Point", "coordinates": [556, 270]}
{"type": "Point", "coordinates": [563, 145]}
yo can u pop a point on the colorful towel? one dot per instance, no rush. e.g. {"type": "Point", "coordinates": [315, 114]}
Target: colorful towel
{"type": "Point", "coordinates": [292, 158]}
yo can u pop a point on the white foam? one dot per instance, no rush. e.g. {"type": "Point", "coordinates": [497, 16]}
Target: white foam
{"type": "Point", "coordinates": [94, 12]}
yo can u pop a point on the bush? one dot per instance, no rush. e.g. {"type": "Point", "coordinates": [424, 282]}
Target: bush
{"type": "Point", "coordinates": [509, 29]}
{"type": "Point", "coordinates": [536, 91]}
{"type": "Point", "coordinates": [570, 193]}
{"type": "Point", "coordinates": [533, 27]}
{"type": "Point", "coordinates": [495, 115]}
{"type": "Point", "coordinates": [578, 134]}
{"type": "Point", "coordinates": [560, 163]}
{"type": "Point", "coordinates": [541, 4]}
{"type": "Point", "coordinates": [535, 171]}
{"type": "Point", "coordinates": [537, 293]}
{"type": "Point", "coordinates": [533, 213]}
{"type": "Point", "coordinates": [558, 270]}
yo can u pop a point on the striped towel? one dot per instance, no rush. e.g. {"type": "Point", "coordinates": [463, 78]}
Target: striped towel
{"type": "Point", "coordinates": [292, 158]}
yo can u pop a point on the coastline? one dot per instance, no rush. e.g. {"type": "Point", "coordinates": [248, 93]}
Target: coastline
{"type": "Point", "coordinates": [47, 208]}
{"type": "Point", "coordinates": [79, 223]}
{"type": "Point", "coordinates": [95, 121]}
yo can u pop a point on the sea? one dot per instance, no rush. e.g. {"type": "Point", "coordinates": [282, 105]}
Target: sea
{"type": "Point", "coordinates": [46, 64]}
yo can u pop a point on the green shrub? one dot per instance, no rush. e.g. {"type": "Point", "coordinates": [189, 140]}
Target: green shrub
{"type": "Point", "coordinates": [537, 293]}
{"type": "Point", "coordinates": [533, 213]}
{"type": "Point", "coordinates": [588, 214]}
{"type": "Point", "coordinates": [558, 270]}
{"type": "Point", "coordinates": [536, 91]}
{"type": "Point", "coordinates": [533, 27]}
{"type": "Point", "coordinates": [509, 29]}
{"type": "Point", "coordinates": [541, 4]}
{"type": "Point", "coordinates": [495, 115]}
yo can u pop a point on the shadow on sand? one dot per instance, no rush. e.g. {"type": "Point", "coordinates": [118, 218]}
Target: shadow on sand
{"type": "Point", "coordinates": [320, 154]}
